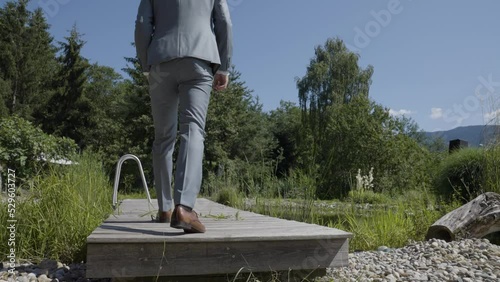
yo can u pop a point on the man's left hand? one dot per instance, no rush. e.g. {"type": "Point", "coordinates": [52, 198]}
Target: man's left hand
{"type": "Point", "coordinates": [220, 81]}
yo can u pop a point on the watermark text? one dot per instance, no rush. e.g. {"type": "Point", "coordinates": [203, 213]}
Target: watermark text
{"type": "Point", "coordinates": [11, 219]}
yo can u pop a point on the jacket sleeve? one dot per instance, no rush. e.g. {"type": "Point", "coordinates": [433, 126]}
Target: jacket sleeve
{"type": "Point", "coordinates": [223, 33]}
{"type": "Point", "coordinates": [144, 29]}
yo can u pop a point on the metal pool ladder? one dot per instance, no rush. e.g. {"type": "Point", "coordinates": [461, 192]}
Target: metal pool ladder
{"type": "Point", "coordinates": [117, 178]}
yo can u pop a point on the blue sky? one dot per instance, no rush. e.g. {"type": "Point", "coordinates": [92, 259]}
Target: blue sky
{"type": "Point", "coordinates": [435, 61]}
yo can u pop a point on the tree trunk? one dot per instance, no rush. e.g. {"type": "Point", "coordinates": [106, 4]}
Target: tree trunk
{"type": "Point", "coordinates": [475, 219]}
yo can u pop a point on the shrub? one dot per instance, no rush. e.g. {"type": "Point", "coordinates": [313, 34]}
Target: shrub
{"type": "Point", "coordinates": [362, 134]}
{"type": "Point", "coordinates": [461, 175]}
{"type": "Point", "coordinates": [229, 196]}
{"type": "Point", "coordinates": [24, 147]}
{"type": "Point", "coordinates": [367, 197]}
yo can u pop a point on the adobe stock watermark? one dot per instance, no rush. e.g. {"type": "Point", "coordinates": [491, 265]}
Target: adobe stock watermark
{"type": "Point", "coordinates": [323, 255]}
{"type": "Point", "coordinates": [487, 91]}
{"type": "Point", "coordinates": [121, 276]}
{"type": "Point", "coordinates": [52, 7]}
{"type": "Point", "coordinates": [233, 4]}
{"type": "Point", "coordinates": [156, 76]}
{"type": "Point", "coordinates": [381, 19]}
{"type": "Point", "coordinates": [11, 220]}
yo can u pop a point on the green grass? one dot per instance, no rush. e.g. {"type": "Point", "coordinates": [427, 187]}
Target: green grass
{"type": "Point", "coordinates": [492, 175]}
{"type": "Point", "coordinates": [374, 223]}
{"type": "Point", "coordinates": [374, 218]}
{"type": "Point", "coordinates": [59, 210]}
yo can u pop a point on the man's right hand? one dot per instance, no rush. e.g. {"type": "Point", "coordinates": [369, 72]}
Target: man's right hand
{"type": "Point", "coordinates": [220, 81]}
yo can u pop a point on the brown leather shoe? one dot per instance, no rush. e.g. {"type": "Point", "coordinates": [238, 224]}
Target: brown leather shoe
{"type": "Point", "coordinates": [183, 218]}
{"type": "Point", "coordinates": [163, 217]}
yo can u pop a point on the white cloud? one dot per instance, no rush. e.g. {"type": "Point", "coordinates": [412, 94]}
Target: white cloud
{"type": "Point", "coordinates": [436, 113]}
{"type": "Point", "coordinates": [492, 117]}
{"type": "Point", "coordinates": [401, 112]}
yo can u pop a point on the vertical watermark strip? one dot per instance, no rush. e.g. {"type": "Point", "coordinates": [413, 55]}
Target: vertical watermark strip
{"type": "Point", "coordinates": [11, 219]}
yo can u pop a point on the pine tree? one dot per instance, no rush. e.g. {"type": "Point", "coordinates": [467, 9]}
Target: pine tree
{"type": "Point", "coordinates": [13, 20]}
{"type": "Point", "coordinates": [43, 64]}
{"type": "Point", "coordinates": [27, 59]}
{"type": "Point", "coordinates": [68, 111]}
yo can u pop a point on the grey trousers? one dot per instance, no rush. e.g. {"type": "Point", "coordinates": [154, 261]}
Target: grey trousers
{"type": "Point", "coordinates": [180, 92]}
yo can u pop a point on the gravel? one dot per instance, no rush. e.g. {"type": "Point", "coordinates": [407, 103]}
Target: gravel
{"type": "Point", "coordinates": [433, 260]}
{"type": "Point", "coordinates": [467, 260]}
{"type": "Point", "coordinates": [45, 271]}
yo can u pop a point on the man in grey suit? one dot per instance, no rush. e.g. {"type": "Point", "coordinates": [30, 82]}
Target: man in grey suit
{"type": "Point", "coordinates": [185, 48]}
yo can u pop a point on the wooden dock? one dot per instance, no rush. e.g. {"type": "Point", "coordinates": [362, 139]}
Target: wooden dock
{"type": "Point", "coordinates": [128, 244]}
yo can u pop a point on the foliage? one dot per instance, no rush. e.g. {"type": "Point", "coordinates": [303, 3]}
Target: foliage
{"type": "Point", "coordinates": [136, 125]}
{"type": "Point", "coordinates": [435, 144]}
{"type": "Point", "coordinates": [67, 111]}
{"type": "Point", "coordinates": [363, 135]}
{"type": "Point", "coordinates": [25, 148]}
{"type": "Point", "coordinates": [4, 96]}
{"type": "Point", "coordinates": [229, 196]}
{"type": "Point", "coordinates": [367, 197]}
{"type": "Point", "coordinates": [363, 190]}
{"type": "Point", "coordinates": [461, 175]}
{"type": "Point", "coordinates": [333, 77]}
{"type": "Point", "coordinates": [348, 131]}
{"type": "Point", "coordinates": [58, 212]}
{"type": "Point", "coordinates": [236, 128]}
{"type": "Point", "coordinates": [492, 174]}
{"type": "Point", "coordinates": [392, 222]}
{"type": "Point", "coordinates": [104, 90]}
{"type": "Point", "coordinates": [247, 179]}
{"type": "Point", "coordinates": [293, 150]}
{"type": "Point", "coordinates": [282, 160]}
{"type": "Point", "coordinates": [27, 59]}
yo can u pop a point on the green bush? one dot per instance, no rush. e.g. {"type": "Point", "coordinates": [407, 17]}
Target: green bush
{"type": "Point", "coordinates": [59, 211]}
{"type": "Point", "coordinates": [492, 175]}
{"type": "Point", "coordinates": [367, 197]}
{"type": "Point", "coordinates": [229, 196]}
{"type": "Point", "coordinates": [251, 179]}
{"type": "Point", "coordinates": [23, 147]}
{"type": "Point", "coordinates": [363, 135]}
{"type": "Point", "coordinates": [461, 175]}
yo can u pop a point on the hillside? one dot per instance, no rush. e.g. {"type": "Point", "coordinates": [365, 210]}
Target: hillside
{"type": "Point", "coordinates": [475, 134]}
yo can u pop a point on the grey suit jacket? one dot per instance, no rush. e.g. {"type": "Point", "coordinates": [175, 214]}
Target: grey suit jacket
{"type": "Point", "coordinates": [170, 29]}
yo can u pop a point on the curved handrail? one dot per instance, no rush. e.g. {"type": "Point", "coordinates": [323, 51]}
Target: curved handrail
{"type": "Point", "coordinates": [117, 177]}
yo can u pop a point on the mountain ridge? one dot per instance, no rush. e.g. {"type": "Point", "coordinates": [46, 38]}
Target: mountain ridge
{"type": "Point", "coordinates": [475, 135]}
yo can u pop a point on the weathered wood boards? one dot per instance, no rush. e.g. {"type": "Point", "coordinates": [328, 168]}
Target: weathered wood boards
{"type": "Point", "coordinates": [128, 245]}
{"type": "Point", "coordinates": [475, 219]}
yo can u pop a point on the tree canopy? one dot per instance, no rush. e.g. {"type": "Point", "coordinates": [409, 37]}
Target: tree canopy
{"type": "Point", "coordinates": [335, 131]}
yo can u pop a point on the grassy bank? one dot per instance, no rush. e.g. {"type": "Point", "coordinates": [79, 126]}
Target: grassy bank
{"type": "Point", "coordinates": [58, 210]}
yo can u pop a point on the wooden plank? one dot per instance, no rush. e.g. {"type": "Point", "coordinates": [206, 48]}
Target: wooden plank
{"type": "Point", "coordinates": [129, 244]}
{"type": "Point", "coordinates": [213, 258]}
{"type": "Point", "coordinates": [128, 220]}
{"type": "Point", "coordinates": [233, 234]}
